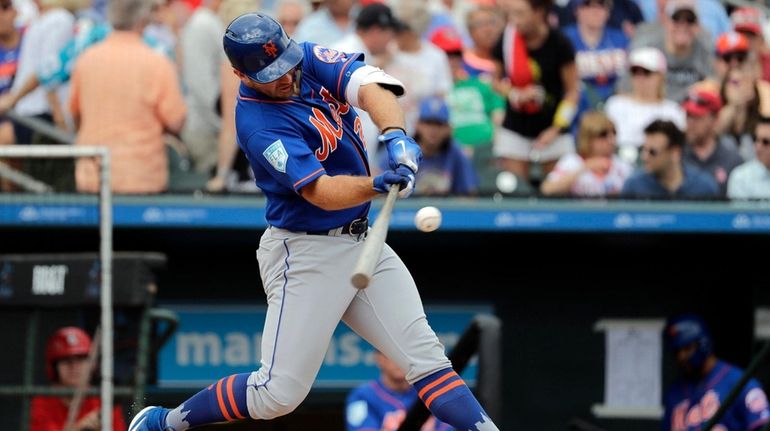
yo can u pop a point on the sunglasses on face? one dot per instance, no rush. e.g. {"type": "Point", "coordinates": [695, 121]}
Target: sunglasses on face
{"type": "Point", "coordinates": [640, 71]}
{"type": "Point", "coordinates": [764, 141]}
{"type": "Point", "coordinates": [685, 17]}
{"type": "Point", "coordinates": [605, 133]}
{"type": "Point", "coordinates": [595, 3]}
{"type": "Point", "coordinates": [6, 6]}
{"type": "Point", "coordinates": [652, 152]}
{"type": "Point", "coordinates": [740, 57]}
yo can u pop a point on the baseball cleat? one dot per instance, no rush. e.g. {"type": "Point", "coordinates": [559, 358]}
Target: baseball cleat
{"type": "Point", "coordinates": [150, 418]}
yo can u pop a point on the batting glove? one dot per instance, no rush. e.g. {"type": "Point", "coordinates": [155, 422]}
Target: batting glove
{"type": "Point", "coordinates": [402, 150]}
{"type": "Point", "coordinates": [402, 176]}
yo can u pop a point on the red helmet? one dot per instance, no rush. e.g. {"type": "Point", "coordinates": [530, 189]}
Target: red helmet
{"type": "Point", "coordinates": [66, 342]}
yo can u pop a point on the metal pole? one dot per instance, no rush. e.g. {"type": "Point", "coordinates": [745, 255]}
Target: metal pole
{"type": "Point", "coordinates": [105, 252]}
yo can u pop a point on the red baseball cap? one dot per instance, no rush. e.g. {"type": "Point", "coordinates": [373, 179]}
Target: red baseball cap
{"type": "Point", "coordinates": [700, 102]}
{"type": "Point", "coordinates": [747, 19]}
{"type": "Point", "coordinates": [732, 42]}
{"type": "Point", "coordinates": [447, 39]}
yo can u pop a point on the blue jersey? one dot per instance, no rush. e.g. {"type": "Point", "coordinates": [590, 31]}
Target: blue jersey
{"type": "Point", "coordinates": [690, 405]}
{"type": "Point", "coordinates": [292, 142]}
{"type": "Point", "coordinates": [373, 407]}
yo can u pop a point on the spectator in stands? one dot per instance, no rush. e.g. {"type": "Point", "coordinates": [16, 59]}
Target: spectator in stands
{"type": "Point", "coordinates": [538, 77]}
{"type": "Point", "coordinates": [732, 50]}
{"type": "Point", "coordinates": [623, 15]}
{"type": "Point", "coordinates": [167, 22]}
{"type": "Point", "coordinates": [334, 20]}
{"type": "Point", "coordinates": [485, 25]}
{"type": "Point", "coordinates": [202, 56]}
{"type": "Point", "coordinates": [705, 149]}
{"type": "Point", "coordinates": [381, 405]}
{"type": "Point", "coordinates": [233, 172]}
{"type": "Point", "coordinates": [129, 118]}
{"type": "Point", "coordinates": [749, 21]}
{"type": "Point", "coordinates": [689, 58]}
{"type": "Point", "coordinates": [751, 180]}
{"type": "Point", "coordinates": [712, 16]}
{"type": "Point", "coordinates": [664, 174]}
{"type": "Point", "coordinates": [600, 51]}
{"type": "Point", "coordinates": [10, 42]}
{"type": "Point", "coordinates": [475, 106]}
{"type": "Point", "coordinates": [445, 169]}
{"type": "Point", "coordinates": [631, 113]}
{"type": "Point", "coordinates": [420, 65]}
{"type": "Point", "coordinates": [595, 171]}
{"type": "Point", "coordinates": [290, 14]}
{"type": "Point", "coordinates": [746, 98]}
{"type": "Point", "coordinates": [40, 46]}
{"type": "Point", "coordinates": [67, 365]}
{"type": "Point", "coordinates": [705, 382]}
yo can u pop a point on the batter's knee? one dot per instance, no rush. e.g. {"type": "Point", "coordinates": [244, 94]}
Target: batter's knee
{"type": "Point", "coordinates": [275, 399]}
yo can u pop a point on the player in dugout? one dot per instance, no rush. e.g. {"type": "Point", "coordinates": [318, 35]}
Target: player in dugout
{"type": "Point", "coordinates": [295, 124]}
{"type": "Point", "coordinates": [705, 383]}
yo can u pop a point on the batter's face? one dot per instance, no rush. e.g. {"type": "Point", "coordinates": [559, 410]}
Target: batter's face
{"type": "Point", "coordinates": [282, 88]}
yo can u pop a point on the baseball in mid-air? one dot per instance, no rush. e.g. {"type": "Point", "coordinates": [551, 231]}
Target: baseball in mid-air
{"type": "Point", "coordinates": [428, 219]}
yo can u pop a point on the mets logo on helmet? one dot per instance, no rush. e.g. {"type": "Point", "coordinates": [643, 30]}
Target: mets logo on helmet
{"type": "Point", "coordinates": [328, 55]}
{"type": "Point", "coordinates": [270, 49]}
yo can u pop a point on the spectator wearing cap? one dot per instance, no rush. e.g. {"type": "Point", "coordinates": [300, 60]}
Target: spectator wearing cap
{"type": "Point", "coordinates": [751, 180]}
{"type": "Point", "coordinates": [689, 58]}
{"type": "Point", "coordinates": [475, 106]}
{"type": "Point", "coordinates": [748, 21]}
{"type": "Point", "coordinates": [712, 16]}
{"type": "Point", "coordinates": [485, 24]}
{"type": "Point", "coordinates": [664, 175]}
{"type": "Point", "coordinates": [334, 20]}
{"type": "Point", "coordinates": [704, 148]}
{"type": "Point", "coordinates": [632, 112]}
{"type": "Point", "coordinates": [732, 50]}
{"type": "Point", "coordinates": [445, 169]}
{"type": "Point", "coordinates": [376, 28]}
{"type": "Point", "coordinates": [422, 67]}
{"type": "Point", "coordinates": [600, 51]}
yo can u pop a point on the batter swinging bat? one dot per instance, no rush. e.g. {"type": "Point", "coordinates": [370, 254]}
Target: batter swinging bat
{"type": "Point", "coordinates": [362, 274]}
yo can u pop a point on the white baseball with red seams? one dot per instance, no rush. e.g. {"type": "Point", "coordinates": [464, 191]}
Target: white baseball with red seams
{"type": "Point", "coordinates": [428, 219]}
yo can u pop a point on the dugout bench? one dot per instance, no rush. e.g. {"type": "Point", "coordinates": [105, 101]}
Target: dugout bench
{"type": "Point", "coordinates": [40, 293]}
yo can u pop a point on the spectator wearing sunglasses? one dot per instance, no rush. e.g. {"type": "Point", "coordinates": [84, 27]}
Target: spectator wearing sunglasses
{"type": "Point", "coordinates": [748, 21]}
{"type": "Point", "coordinates": [595, 171]}
{"type": "Point", "coordinates": [632, 112]}
{"type": "Point", "coordinates": [664, 175]}
{"type": "Point", "coordinates": [689, 58]}
{"type": "Point", "coordinates": [705, 149]}
{"type": "Point", "coordinates": [751, 180]}
{"type": "Point", "coordinates": [732, 51]}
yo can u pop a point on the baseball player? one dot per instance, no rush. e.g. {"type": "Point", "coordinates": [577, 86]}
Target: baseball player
{"type": "Point", "coordinates": [707, 380]}
{"type": "Point", "coordinates": [296, 124]}
{"type": "Point", "coordinates": [382, 404]}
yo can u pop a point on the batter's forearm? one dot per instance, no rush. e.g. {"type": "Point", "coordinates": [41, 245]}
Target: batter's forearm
{"type": "Point", "coordinates": [382, 106]}
{"type": "Point", "coordinates": [339, 192]}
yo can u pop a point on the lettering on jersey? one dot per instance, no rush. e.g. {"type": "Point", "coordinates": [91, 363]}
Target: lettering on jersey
{"type": "Point", "coordinates": [393, 420]}
{"type": "Point", "coordinates": [756, 401]}
{"type": "Point", "coordinates": [679, 415]}
{"type": "Point", "coordinates": [277, 156]}
{"type": "Point", "coordinates": [358, 127]}
{"type": "Point", "coordinates": [270, 49]}
{"type": "Point", "coordinates": [330, 132]}
{"type": "Point", "coordinates": [328, 55]}
{"type": "Point", "coordinates": [357, 412]}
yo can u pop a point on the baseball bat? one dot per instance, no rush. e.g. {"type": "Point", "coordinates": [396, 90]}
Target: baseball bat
{"type": "Point", "coordinates": [364, 269]}
{"type": "Point", "coordinates": [80, 390]}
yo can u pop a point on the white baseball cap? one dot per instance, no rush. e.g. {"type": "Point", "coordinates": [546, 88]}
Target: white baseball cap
{"type": "Point", "coordinates": [648, 58]}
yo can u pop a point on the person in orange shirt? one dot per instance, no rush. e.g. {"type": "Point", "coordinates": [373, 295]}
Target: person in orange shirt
{"type": "Point", "coordinates": [126, 96]}
{"type": "Point", "coordinates": [66, 362]}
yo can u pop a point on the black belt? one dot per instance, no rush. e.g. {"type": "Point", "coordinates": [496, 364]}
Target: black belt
{"type": "Point", "coordinates": [355, 227]}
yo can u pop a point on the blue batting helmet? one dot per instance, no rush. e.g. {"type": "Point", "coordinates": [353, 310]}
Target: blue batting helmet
{"type": "Point", "coordinates": [257, 46]}
{"type": "Point", "coordinates": [684, 330]}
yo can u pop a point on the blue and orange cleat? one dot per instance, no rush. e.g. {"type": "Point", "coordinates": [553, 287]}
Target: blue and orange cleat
{"type": "Point", "coordinates": [152, 418]}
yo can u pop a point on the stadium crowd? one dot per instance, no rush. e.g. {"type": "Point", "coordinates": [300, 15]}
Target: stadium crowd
{"type": "Point", "coordinates": [581, 98]}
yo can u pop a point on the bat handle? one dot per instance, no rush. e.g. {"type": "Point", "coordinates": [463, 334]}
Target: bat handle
{"type": "Point", "coordinates": [375, 240]}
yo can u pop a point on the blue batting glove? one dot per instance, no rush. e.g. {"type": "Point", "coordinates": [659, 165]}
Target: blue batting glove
{"type": "Point", "coordinates": [402, 150]}
{"type": "Point", "coordinates": [402, 176]}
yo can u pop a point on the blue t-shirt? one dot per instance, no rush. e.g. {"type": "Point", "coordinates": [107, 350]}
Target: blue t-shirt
{"type": "Point", "coordinates": [291, 143]}
{"type": "Point", "coordinates": [9, 60]}
{"type": "Point", "coordinates": [373, 407]}
{"type": "Point", "coordinates": [689, 405]}
{"type": "Point", "coordinates": [696, 184]}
